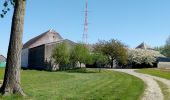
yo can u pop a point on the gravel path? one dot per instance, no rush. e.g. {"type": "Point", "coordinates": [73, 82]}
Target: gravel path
{"type": "Point", "coordinates": [152, 91]}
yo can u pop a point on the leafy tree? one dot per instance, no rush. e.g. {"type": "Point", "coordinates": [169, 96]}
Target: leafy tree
{"type": "Point", "coordinates": [113, 49]}
{"type": "Point", "coordinates": [61, 54]}
{"type": "Point", "coordinates": [80, 53]}
{"type": "Point", "coordinates": [100, 59]}
{"type": "Point", "coordinates": [11, 83]}
{"type": "Point", "coordinates": [160, 49]}
{"type": "Point", "coordinates": [165, 50]}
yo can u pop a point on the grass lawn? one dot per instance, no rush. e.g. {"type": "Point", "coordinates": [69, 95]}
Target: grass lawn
{"type": "Point", "coordinates": [75, 85]}
{"type": "Point", "coordinates": [164, 73]}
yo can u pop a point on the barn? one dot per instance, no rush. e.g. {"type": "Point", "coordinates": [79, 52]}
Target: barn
{"type": "Point", "coordinates": [2, 61]}
{"type": "Point", "coordinates": [36, 53]}
{"type": "Point", "coordinates": [40, 56]}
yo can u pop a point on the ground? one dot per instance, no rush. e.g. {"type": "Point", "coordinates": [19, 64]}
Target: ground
{"type": "Point", "coordinates": [77, 85]}
{"type": "Point", "coordinates": [162, 77]}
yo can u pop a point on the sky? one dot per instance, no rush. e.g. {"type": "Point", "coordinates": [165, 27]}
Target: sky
{"type": "Point", "coordinates": [130, 21]}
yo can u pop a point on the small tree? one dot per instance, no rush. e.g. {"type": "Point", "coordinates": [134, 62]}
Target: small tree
{"type": "Point", "coordinates": [61, 54]}
{"type": "Point", "coordinates": [80, 53]}
{"type": "Point", "coordinates": [100, 59]}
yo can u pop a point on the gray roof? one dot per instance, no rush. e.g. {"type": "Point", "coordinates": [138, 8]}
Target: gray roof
{"type": "Point", "coordinates": [63, 40]}
{"type": "Point", "coordinates": [143, 46]}
{"type": "Point", "coordinates": [46, 37]}
{"type": "Point", "coordinates": [2, 58]}
{"type": "Point", "coordinates": [163, 59]}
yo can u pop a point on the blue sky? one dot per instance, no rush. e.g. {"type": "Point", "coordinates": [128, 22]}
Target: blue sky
{"type": "Point", "coordinates": [130, 21]}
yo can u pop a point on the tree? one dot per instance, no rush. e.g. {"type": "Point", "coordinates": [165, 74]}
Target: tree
{"type": "Point", "coordinates": [80, 53]}
{"type": "Point", "coordinates": [113, 49]}
{"type": "Point", "coordinates": [160, 49]}
{"type": "Point", "coordinates": [61, 54]}
{"type": "Point", "coordinates": [140, 56]}
{"type": "Point", "coordinates": [11, 83]}
{"type": "Point", "coordinates": [165, 50]}
{"type": "Point", "coordinates": [99, 59]}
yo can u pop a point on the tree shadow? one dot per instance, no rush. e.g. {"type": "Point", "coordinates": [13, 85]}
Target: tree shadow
{"type": "Point", "coordinates": [82, 70]}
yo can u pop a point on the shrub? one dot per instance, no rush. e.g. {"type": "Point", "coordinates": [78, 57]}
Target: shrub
{"type": "Point", "coordinates": [140, 56]}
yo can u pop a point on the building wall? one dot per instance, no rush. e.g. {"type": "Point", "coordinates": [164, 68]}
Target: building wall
{"type": "Point", "coordinates": [36, 57]}
{"type": "Point", "coordinates": [40, 57]}
{"type": "Point", "coordinates": [164, 65]}
{"type": "Point", "coordinates": [48, 59]}
{"type": "Point", "coordinates": [48, 53]}
{"type": "Point", "coordinates": [24, 58]}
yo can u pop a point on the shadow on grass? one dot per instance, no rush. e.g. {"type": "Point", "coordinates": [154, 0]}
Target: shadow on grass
{"type": "Point", "coordinates": [82, 70]}
{"type": "Point", "coordinates": [13, 97]}
{"type": "Point", "coordinates": [73, 70]}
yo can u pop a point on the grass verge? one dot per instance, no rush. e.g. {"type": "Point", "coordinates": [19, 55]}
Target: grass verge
{"type": "Point", "coordinates": [164, 89]}
{"type": "Point", "coordinates": [163, 73]}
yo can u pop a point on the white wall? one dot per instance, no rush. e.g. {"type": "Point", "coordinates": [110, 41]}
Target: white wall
{"type": "Point", "coordinates": [24, 58]}
{"type": "Point", "coordinates": [164, 65]}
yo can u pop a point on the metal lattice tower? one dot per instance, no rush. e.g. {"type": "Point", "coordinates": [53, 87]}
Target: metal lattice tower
{"type": "Point", "coordinates": [85, 33]}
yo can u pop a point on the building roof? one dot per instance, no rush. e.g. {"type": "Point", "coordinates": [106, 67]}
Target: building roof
{"type": "Point", "coordinates": [44, 38]}
{"type": "Point", "coordinates": [163, 59]}
{"type": "Point", "coordinates": [143, 46]}
{"type": "Point", "coordinates": [2, 58]}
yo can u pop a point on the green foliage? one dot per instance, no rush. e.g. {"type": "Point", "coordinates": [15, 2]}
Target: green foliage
{"type": "Point", "coordinates": [113, 49]}
{"type": "Point", "coordinates": [61, 54]}
{"type": "Point", "coordinates": [78, 86]}
{"type": "Point", "coordinates": [165, 50]}
{"type": "Point", "coordinates": [100, 58]}
{"type": "Point", "coordinates": [7, 7]}
{"type": "Point", "coordinates": [160, 49]}
{"type": "Point", "coordinates": [80, 53]}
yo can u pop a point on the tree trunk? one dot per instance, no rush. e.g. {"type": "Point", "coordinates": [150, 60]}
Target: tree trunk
{"type": "Point", "coordinates": [111, 62]}
{"type": "Point", "coordinates": [80, 64]}
{"type": "Point", "coordinates": [11, 83]}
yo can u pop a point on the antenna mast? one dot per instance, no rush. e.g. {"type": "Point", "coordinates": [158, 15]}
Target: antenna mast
{"type": "Point", "coordinates": [85, 33]}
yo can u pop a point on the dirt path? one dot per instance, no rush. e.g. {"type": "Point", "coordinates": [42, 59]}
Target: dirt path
{"type": "Point", "coordinates": [152, 91]}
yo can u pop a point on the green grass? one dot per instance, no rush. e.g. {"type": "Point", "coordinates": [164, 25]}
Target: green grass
{"type": "Point", "coordinates": [163, 73]}
{"type": "Point", "coordinates": [78, 85]}
{"type": "Point", "coordinates": [164, 90]}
